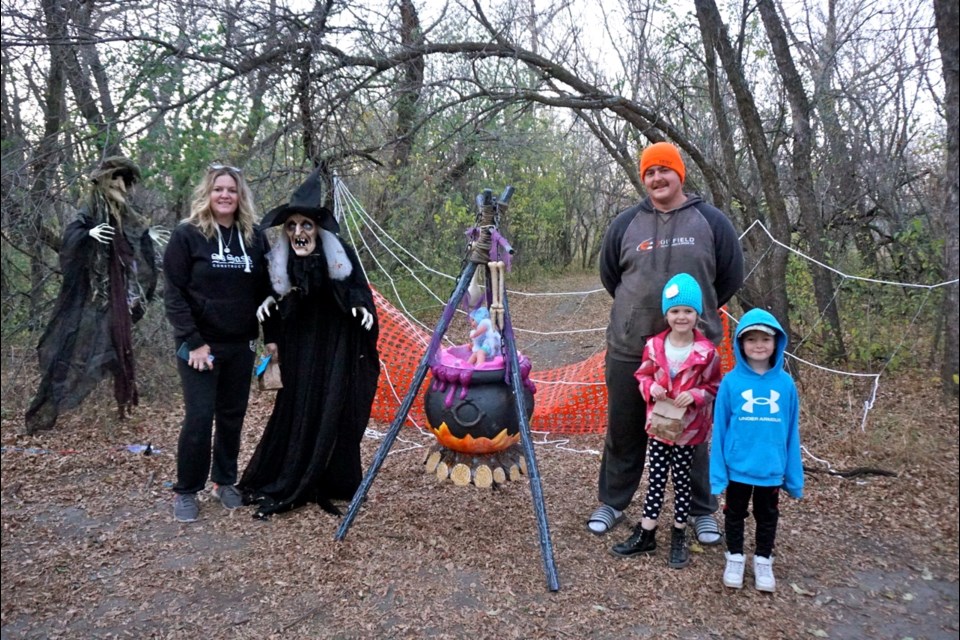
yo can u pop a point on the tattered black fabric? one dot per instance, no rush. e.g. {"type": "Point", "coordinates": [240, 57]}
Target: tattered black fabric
{"type": "Point", "coordinates": [89, 336]}
{"type": "Point", "coordinates": [310, 449]}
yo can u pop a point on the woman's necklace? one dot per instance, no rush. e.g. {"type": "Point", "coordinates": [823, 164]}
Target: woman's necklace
{"type": "Point", "coordinates": [226, 249]}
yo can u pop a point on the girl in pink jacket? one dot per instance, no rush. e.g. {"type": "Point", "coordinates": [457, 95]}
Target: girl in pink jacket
{"type": "Point", "coordinates": [678, 377]}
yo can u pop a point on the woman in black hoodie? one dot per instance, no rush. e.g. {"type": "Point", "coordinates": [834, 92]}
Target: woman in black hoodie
{"type": "Point", "coordinates": [216, 276]}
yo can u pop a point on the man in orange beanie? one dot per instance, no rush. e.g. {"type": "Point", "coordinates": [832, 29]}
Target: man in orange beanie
{"type": "Point", "coordinates": [667, 233]}
{"type": "Point", "coordinates": [663, 172]}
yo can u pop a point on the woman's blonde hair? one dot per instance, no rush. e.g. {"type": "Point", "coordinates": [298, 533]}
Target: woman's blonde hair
{"type": "Point", "coordinates": [202, 217]}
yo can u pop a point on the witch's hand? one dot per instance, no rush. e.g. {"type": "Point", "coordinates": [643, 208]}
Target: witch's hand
{"type": "Point", "coordinates": [263, 311]}
{"type": "Point", "coordinates": [366, 318]}
{"type": "Point", "coordinates": [160, 235]}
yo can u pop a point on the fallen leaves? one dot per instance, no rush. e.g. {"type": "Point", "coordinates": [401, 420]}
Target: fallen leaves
{"type": "Point", "coordinates": [90, 549]}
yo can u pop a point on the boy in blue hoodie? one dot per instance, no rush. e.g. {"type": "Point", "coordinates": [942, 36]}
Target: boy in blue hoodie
{"type": "Point", "coordinates": [756, 444]}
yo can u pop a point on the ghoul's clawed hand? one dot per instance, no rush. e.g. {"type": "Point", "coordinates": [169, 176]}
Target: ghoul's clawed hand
{"type": "Point", "coordinates": [102, 233]}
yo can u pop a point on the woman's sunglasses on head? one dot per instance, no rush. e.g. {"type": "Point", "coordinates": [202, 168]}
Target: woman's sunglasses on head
{"type": "Point", "coordinates": [224, 167]}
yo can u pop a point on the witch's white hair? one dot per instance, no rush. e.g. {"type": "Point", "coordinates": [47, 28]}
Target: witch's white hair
{"type": "Point", "coordinates": [338, 263]}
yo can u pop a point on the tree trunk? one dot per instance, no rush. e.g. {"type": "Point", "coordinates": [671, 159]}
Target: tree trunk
{"type": "Point", "coordinates": [769, 290]}
{"type": "Point", "coordinates": [948, 32]}
{"type": "Point", "coordinates": [309, 137]}
{"type": "Point", "coordinates": [406, 108]}
{"type": "Point", "coordinates": [48, 151]}
{"type": "Point", "coordinates": [83, 68]}
{"type": "Point", "coordinates": [411, 84]}
{"type": "Point", "coordinates": [803, 175]}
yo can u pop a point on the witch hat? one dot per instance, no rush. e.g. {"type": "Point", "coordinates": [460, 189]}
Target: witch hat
{"type": "Point", "coordinates": [307, 200]}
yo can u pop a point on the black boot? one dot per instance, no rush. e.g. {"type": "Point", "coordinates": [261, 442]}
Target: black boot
{"type": "Point", "coordinates": [679, 555]}
{"type": "Point", "coordinates": [642, 541]}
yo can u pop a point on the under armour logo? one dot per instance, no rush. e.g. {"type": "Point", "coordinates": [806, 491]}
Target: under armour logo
{"type": "Point", "coordinates": [771, 401]}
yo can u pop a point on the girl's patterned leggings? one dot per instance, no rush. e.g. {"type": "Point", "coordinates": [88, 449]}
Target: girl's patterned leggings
{"type": "Point", "coordinates": [664, 459]}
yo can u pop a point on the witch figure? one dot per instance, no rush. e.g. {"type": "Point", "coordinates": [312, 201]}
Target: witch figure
{"type": "Point", "coordinates": [324, 318]}
{"type": "Point", "coordinates": [108, 262]}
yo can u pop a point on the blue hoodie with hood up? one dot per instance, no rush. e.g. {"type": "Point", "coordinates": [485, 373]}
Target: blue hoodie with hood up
{"type": "Point", "coordinates": [756, 421]}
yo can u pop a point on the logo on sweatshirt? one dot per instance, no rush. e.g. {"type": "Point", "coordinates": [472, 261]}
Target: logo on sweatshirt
{"type": "Point", "coordinates": [762, 401]}
{"type": "Point", "coordinates": [651, 243]}
{"type": "Point", "coordinates": [227, 261]}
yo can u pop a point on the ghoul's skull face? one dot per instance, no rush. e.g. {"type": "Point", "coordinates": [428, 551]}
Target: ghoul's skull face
{"type": "Point", "coordinates": [302, 233]}
{"type": "Point", "coordinates": [116, 188]}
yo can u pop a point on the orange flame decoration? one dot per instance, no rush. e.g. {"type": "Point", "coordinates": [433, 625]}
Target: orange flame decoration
{"type": "Point", "coordinates": [469, 444]}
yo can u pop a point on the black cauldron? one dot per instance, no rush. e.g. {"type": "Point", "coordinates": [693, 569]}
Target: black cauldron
{"type": "Point", "coordinates": [472, 410]}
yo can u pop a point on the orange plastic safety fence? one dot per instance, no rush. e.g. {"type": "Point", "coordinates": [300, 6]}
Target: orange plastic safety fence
{"type": "Point", "coordinates": [570, 399]}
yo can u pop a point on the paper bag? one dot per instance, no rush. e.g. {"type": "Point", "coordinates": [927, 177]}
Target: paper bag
{"type": "Point", "coordinates": [666, 421]}
{"type": "Point", "coordinates": [269, 379]}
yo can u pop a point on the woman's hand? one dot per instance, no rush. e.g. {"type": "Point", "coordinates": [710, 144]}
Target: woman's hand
{"type": "Point", "coordinates": [200, 358]}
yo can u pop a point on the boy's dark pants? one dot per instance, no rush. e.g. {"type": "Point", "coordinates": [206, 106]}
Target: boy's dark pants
{"type": "Point", "coordinates": [766, 512]}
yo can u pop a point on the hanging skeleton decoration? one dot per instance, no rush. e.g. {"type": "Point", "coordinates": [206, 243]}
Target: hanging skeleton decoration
{"type": "Point", "coordinates": [497, 273]}
{"type": "Point", "coordinates": [108, 263]}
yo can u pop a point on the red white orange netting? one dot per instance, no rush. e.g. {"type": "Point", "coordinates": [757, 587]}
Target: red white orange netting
{"type": "Point", "coordinates": [571, 399]}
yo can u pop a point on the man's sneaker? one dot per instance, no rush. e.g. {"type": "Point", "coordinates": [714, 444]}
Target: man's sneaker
{"type": "Point", "coordinates": [763, 574]}
{"type": "Point", "coordinates": [228, 496]}
{"type": "Point", "coordinates": [733, 573]}
{"type": "Point", "coordinates": [185, 507]}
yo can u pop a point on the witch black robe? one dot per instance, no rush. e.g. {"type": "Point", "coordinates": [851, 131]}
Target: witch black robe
{"type": "Point", "coordinates": [329, 365]}
{"type": "Point", "coordinates": [105, 289]}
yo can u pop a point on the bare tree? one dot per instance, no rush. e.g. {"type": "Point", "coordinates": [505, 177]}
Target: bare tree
{"type": "Point", "coordinates": [417, 112]}
{"type": "Point", "coordinates": [948, 31]}
{"type": "Point", "coordinates": [773, 296]}
{"type": "Point", "coordinates": [803, 141]}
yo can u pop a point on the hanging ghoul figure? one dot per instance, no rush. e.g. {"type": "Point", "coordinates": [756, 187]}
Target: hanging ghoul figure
{"type": "Point", "coordinates": [327, 341]}
{"type": "Point", "coordinates": [109, 272]}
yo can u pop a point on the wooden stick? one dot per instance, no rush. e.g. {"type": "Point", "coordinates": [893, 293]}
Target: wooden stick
{"type": "Point", "coordinates": [460, 474]}
{"type": "Point", "coordinates": [483, 476]}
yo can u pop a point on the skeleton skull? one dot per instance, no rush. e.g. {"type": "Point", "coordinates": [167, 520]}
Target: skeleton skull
{"type": "Point", "coordinates": [302, 233]}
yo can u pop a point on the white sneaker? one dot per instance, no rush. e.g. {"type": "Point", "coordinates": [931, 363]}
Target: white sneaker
{"type": "Point", "coordinates": [763, 574]}
{"type": "Point", "coordinates": [733, 573]}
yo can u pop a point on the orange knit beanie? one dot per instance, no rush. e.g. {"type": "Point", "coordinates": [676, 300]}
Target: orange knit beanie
{"type": "Point", "coordinates": [663, 154]}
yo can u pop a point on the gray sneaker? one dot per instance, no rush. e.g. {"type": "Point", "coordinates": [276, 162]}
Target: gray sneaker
{"type": "Point", "coordinates": [185, 507]}
{"type": "Point", "coordinates": [228, 496]}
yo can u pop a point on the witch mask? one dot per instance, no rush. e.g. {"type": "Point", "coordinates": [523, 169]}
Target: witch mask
{"type": "Point", "coordinates": [302, 233]}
